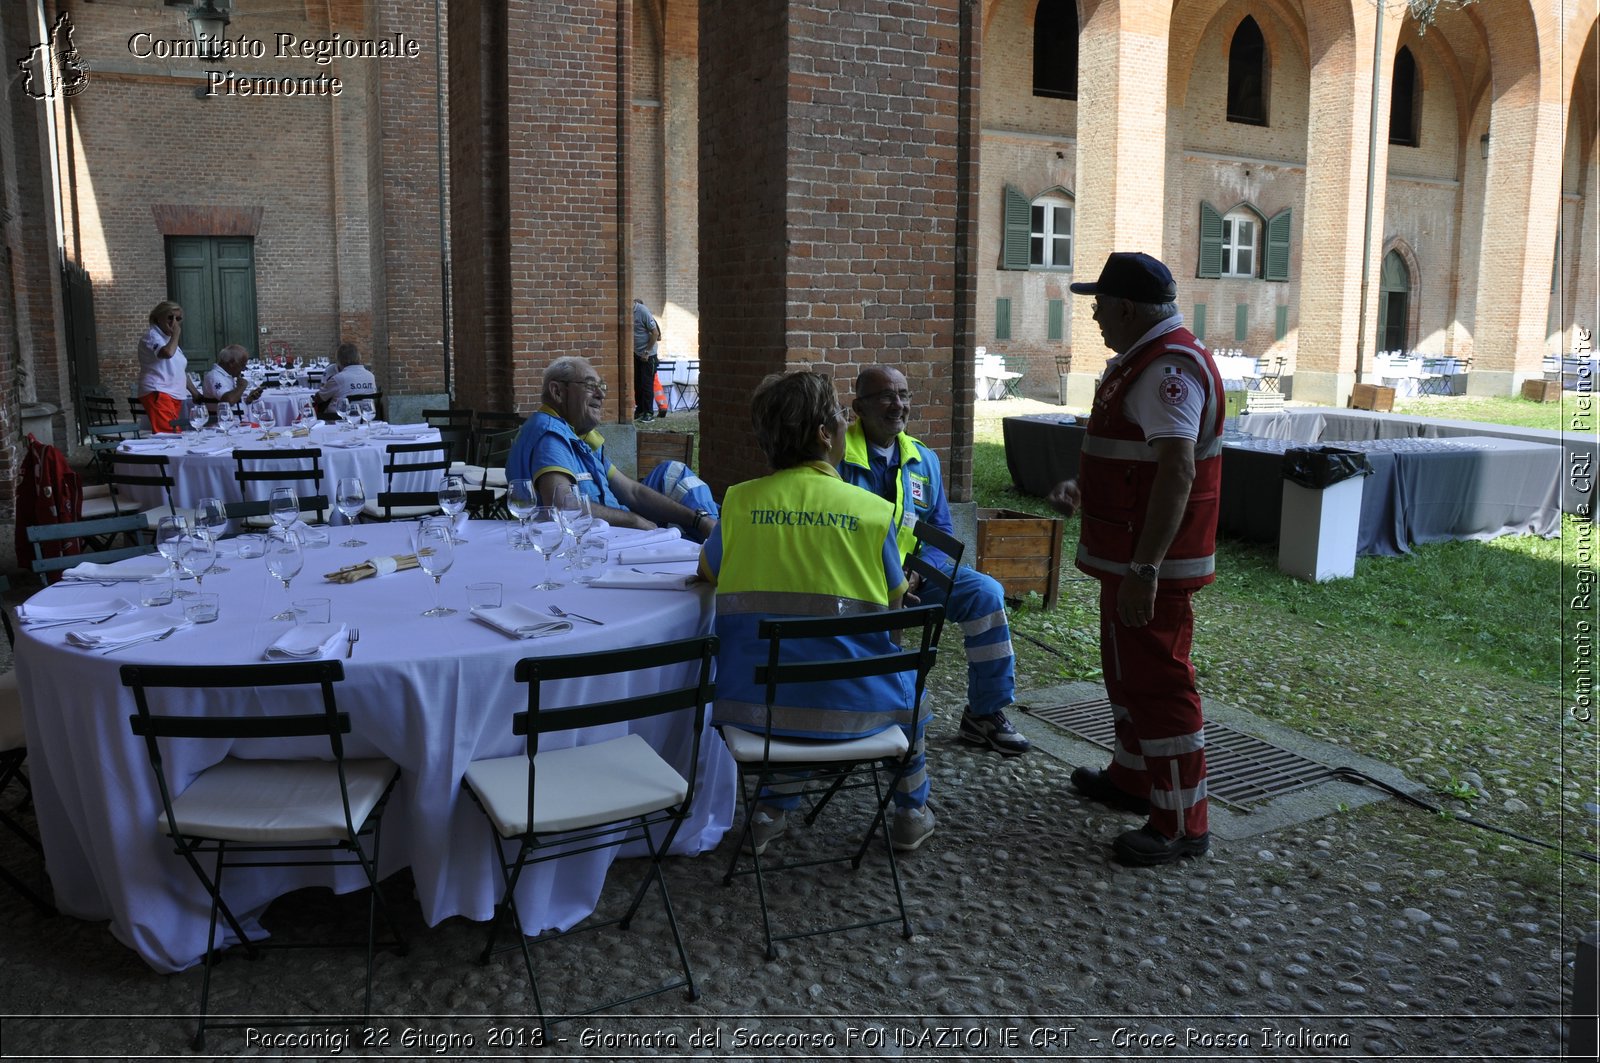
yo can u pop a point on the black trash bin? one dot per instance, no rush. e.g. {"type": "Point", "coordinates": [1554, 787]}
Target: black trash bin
{"type": "Point", "coordinates": [1321, 523]}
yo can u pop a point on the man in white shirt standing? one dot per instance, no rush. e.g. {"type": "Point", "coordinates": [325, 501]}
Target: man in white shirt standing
{"type": "Point", "coordinates": [353, 380]}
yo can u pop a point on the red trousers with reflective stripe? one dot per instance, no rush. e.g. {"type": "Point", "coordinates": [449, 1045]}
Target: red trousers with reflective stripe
{"type": "Point", "coordinates": [1148, 674]}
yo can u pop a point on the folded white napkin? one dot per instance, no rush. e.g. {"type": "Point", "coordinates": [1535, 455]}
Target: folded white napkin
{"type": "Point", "coordinates": [620, 539]}
{"type": "Point", "coordinates": [309, 536]}
{"type": "Point", "coordinates": [520, 622]}
{"type": "Point", "coordinates": [623, 579]}
{"type": "Point", "coordinates": [212, 450]}
{"type": "Point", "coordinates": [343, 444]}
{"type": "Point", "coordinates": [31, 612]}
{"type": "Point", "coordinates": [129, 568]}
{"type": "Point", "coordinates": [109, 635]}
{"type": "Point", "coordinates": [665, 553]}
{"type": "Point", "coordinates": [408, 432]}
{"type": "Point", "coordinates": [304, 642]}
{"type": "Point", "coordinates": [139, 446]}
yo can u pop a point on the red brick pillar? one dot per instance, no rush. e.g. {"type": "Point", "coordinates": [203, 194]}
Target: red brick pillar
{"type": "Point", "coordinates": [837, 176]}
{"type": "Point", "coordinates": [539, 256]}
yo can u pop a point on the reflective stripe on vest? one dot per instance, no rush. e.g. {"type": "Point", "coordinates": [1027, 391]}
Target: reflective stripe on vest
{"type": "Point", "coordinates": [1171, 568]}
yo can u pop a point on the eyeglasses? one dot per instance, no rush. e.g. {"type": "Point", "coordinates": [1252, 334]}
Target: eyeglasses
{"type": "Point", "coordinates": [598, 387]}
{"type": "Point", "coordinates": [888, 395]}
{"type": "Point", "coordinates": [845, 414]}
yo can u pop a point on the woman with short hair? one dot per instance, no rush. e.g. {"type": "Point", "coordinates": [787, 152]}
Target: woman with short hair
{"type": "Point", "coordinates": [163, 377]}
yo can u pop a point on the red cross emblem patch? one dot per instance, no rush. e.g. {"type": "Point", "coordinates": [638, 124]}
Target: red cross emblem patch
{"type": "Point", "coordinates": [1174, 388]}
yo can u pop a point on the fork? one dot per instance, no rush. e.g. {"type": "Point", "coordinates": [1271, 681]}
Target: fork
{"type": "Point", "coordinates": [68, 623]}
{"type": "Point", "coordinates": [556, 610]}
{"type": "Point", "coordinates": [350, 647]}
{"type": "Point", "coordinates": [148, 638]}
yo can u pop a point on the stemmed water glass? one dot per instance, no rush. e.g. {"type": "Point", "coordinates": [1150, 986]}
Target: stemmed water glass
{"type": "Point", "coordinates": [268, 418]}
{"type": "Point", "coordinates": [521, 502]}
{"type": "Point", "coordinates": [285, 559]}
{"type": "Point", "coordinates": [546, 533]}
{"type": "Point", "coordinates": [341, 407]}
{"type": "Point", "coordinates": [254, 411]}
{"type": "Point", "coordinates": [369, 412]}
{"type": "Point", "coordinates": [284, 506]}
{"type": "Point", "coordinates": [226, 418]}
{"type": "Point", "coordinates": [453, 499]}
{"type": "Point", "coordinates": [351, 499]}
{"type": "Point", "coordinates": [212, 515]}
{"type": "Point", "coordinates": [435, 555]}
{"type": "Point", "coordinates": [351, 415]}
{"type": "Point", "coordinates": [198, 415]}
{"type": "Point", "coordinates": [198, 556]}
{"type": "Point", "coordinates": [308, 414]}
{"type": "Point", "coordinates": [577, 516]}
{"type": "Point", "coordinates": [170, 535]}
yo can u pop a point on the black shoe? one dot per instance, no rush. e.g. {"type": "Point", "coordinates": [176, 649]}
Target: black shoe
{"type": "Point", "coordinates": [1096, 785]}
{"type": "Point", "coordinates": [994, 731]}
{"type": "Point", "coordinates": [1148, 847]}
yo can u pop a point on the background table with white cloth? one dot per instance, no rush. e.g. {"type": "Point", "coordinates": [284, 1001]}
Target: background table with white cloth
{"type": "Point", "coordinates": [286, 402]}
{"type": "Point", "coordinates": [432, 694]}
{"type": "Point", "coordinates": [202, 463]}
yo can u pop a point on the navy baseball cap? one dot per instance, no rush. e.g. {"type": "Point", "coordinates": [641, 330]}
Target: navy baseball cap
{"type": "Point", "coordinates": [1135, 276]}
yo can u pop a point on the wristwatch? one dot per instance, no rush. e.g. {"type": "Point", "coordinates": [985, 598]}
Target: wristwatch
{"type": "Point", "coordinates": [1147, 573]}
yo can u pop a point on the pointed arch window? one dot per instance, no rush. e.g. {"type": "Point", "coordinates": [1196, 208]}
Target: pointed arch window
{"type": "Point", "coordinates": [1055, 49]}
{"type": "Point", "coordinates": [1405, 100]}
{"type": "Point", "coordinates": [1247, 75]}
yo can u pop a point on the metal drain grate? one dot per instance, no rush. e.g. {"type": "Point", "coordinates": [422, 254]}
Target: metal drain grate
{"type": "Point", "coordinates": [1240, 769]}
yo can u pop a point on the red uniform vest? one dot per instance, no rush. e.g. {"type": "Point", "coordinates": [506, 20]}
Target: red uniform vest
{"type": "Point", "coordinates": [1117, 468]}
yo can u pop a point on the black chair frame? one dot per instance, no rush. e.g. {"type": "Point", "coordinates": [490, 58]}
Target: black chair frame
{"type": "Point", "coordinates": [389, 499]}
{"type": "Point", "coordinates": [827, 778]}
{"type": "Point", "coordinates": [160, 475]}
{"type": "Point", "coordinates": [329, 723]}
{"type": "Point", "coordinates": [99, 534]}
{"type": "Point", "coordinates": [539, 720]}
{"type": "Point", "coordinates": [317, 503]}
{"type": "Point", "coordinates": [929, 536]}
{"type": "Point", "coordinates": [451, 418]}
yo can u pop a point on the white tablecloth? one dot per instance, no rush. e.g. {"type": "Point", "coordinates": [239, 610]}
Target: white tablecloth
{"type": "Point", "coordinates": [433, 694]}
{"type": "Point", "coordinates": [286, 402]}
{"type": "Point", "coordinates": [201, 472]}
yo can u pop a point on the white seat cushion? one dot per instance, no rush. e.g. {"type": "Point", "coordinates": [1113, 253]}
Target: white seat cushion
{"type": "Point", "coordinates": [96, 491]}
{"type": "Point", "coordinates": [478, 475]}
{"type": "Point", "coordinates": [11, 736]}
{"type": "Point", "coordinates": [279, 800]}
{"type": "Point", "coordinates": [100, 506]}
{"type": "Point", "coordinates": [747, 746]}
{"type": "Point", "coordinates": [579, 787]}
{"type": "Point", "coordinates": [372, 509]}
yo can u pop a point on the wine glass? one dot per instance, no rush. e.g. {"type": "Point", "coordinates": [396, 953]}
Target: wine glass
{"type": "Point", "coordinates": [521, 501]}
{"type": "Point", "coordinates": [170, 534]}
{"type": "Point", "coordinates": [351, 415]}
{"type": "Point", "coordinates": [453, 499]}
{"type": "Point", "coordinates": [369, 411]}
{"type": "Point", "coordinates": [284, 506]}
{"type": "Point", "coordinates": [285, 559]}
{"type": "Point", "coordinates": [435, 555]}
{"type": "Point", "coordinates": [268, 418]}
{"type": "Point", "coordinates": [308, 414]}
{"type": "Point", "coordinates": [254, 411]}
{"type": "Point", "coordinates": [198, 556]}
{"type": "Point", "coordinates": [341, 406]}
{"type": "Point", "coordinates": [226, 418]}
{"type": "Point", "coordinates": [212, 515]}
{"type": "Point", "coordinates": [351, 498]}
{"type": "Point", "coordinates": [546, 533]}
{"type": "Point", "coordinates": [198, 415]}
{"type": "Point", "coordinates": [576, 515]}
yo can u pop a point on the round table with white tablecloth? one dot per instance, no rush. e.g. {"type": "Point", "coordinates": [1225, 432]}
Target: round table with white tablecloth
{"type": "Point", "coordinates": [432, 694]}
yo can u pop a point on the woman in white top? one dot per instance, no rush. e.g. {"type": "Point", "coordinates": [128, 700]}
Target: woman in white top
{"type": "Point", "coordinates": [163, 382]}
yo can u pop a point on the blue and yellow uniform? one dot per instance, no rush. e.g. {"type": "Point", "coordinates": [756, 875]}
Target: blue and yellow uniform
{"type": "Point", "coordinates": [801, 542]}
{"type": "Point", "coordinates": [913, 484]}
{"type": "Point", "coordinates": [547, 443]}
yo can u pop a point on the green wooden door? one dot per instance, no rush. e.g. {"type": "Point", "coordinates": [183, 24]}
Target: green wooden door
{"type": "Point", "coordinates": [214, 278]}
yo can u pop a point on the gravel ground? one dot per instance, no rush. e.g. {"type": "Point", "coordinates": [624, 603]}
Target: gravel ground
{"type": "Point", "coordinates": [1334, 938]}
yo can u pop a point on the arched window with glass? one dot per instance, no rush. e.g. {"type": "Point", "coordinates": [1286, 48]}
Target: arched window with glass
{"type": "Point", "coordinates": [1405, 100]}
{"type": "Point", "coordinates": [1055, 49]}
{"type": "Point", "coordinates": [1247, 74]}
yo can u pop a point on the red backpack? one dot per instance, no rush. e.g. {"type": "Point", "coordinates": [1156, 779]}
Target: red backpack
{"type": "Point", "coordinates": [50, 492]}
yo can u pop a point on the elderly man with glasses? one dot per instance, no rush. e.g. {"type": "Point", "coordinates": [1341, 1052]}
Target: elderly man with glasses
{"type": "Point", "coordinates": [879, 456]}
{"type": "Point", "coordinates": [560, 450]}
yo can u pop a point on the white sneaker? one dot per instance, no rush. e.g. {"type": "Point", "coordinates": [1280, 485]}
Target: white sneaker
{"type": "Point", "coordinates": [911, 827]}
{"type": "Point", "coordinates": [766, 825]}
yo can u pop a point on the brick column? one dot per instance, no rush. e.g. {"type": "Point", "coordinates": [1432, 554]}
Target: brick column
{"type": "Point", "coordinates": [836, 184]}
{"type": "Point", "coordinates": [1122, 84]}
{"type": "Point", "coordinates": [679, 311]}
{"type": "Point", "coordinates": [1338, 139]}
{"type": "Point", "coordinates": [539, 121]}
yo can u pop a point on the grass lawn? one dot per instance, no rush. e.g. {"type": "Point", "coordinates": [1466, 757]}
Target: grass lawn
{"type": "Point", "coordinates": [1447, 663]}
{"type": "Point", "coordinates": [1556, 416]}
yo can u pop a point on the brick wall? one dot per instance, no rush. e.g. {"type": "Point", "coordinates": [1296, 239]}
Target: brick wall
{"type": "Point", "coordinates": [679, 313]}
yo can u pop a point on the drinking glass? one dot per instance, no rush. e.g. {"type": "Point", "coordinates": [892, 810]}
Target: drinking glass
{"type": "Point", "coordinates": [285, 559]}
{"type": "Point", "coordinates": [435, 555]}
{"type": "Point", "coordinates": [308, 414]}
{"type": "Point", "coordinates": [453, 499]}
{"type": "Point", "coordinates": [369, 411]}
{"type": "Point", "coordinates": [226, 417]}
{"type": "Point", "coordinates": [351, 415]}
{"type": "Point", "coordinates": [198, 415]}
{"type": "Point", "coordinates": [521, 502]}
{"type": "Point", "coordinates": [341, 406]}
{"type": "Point", "coordinates": [350, 500]}
{"type": "Point", "coordinates": [546, 533]}
{"type": "Point", "coordinates": [284, 507]}
{"type": "Point", "coordinates": [212, 516]}
{"type": "Point", "coordinates": [254, 411]}
{"type": "Point", "coordinates": [170, 534]}
{"type": "Point", "coordinates": [576, 515]}
{"type": "Point", "coordinates": [268, 418]}
{"type": "Point", "coordinates": [592, 550]}
{"type": "Point", "coordinates": [198, 556]}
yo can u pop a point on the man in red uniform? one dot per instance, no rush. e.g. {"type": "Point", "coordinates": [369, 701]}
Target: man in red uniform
{"type": "Point", "coordinates": [1147, 486]}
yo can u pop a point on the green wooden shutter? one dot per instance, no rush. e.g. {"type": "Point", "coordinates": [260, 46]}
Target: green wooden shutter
{"type": "Point", "coordinates": [1241, 322]}
{"type": "Point", "coordinates": [1280, 328]}
{"type": "Point", "coordinates": [1276, 267]}
{"type": "Point", "coordinates": [190, 283]}
{"type": "Point", "coordinates": [236, 291]}
{"type": "Point", "coordinates": [1055, 319]}
{"type": "Point", "coordinates": [1002, 319]}
{"type": "Point", "coordinates": [1199, 328]}
{"type": "Point", "coordinates": [1210, 241]}
{"type": "Point", "coordinates": [1018, 229]}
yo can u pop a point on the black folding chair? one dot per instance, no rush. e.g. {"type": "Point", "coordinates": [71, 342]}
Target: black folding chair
{"type": "Point", "coordinates": [13, 752]}
{"type": "Point", "coordinates": [431, 460]}
{"type": "Point", "coordinates": [557, 802]}
{"type": "Point", "coordinates": [129, 471]}
{"type": "Point", "coordinates": [99, 536]}
{"type": "Point", "coordinates": [451, 418]}
{"type": "Point", "coordinates": [929, 536]}
{"type": "Point", "coordinates": [267, 467]}
{"type": "Point", "coordinates": [249, 812]}
{"type": "Point", "coordinates": [820, 770]}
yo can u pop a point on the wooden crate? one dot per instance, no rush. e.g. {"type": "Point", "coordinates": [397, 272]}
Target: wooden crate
{"type": "Point", "coordinates": [1542, 390]}
{"type": "Point", "coordinates": [1022, 551]}
{"type": "Point", "coordinates": [1372, 397]}
{"type": "Point", "coordinates": [657, 447]}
